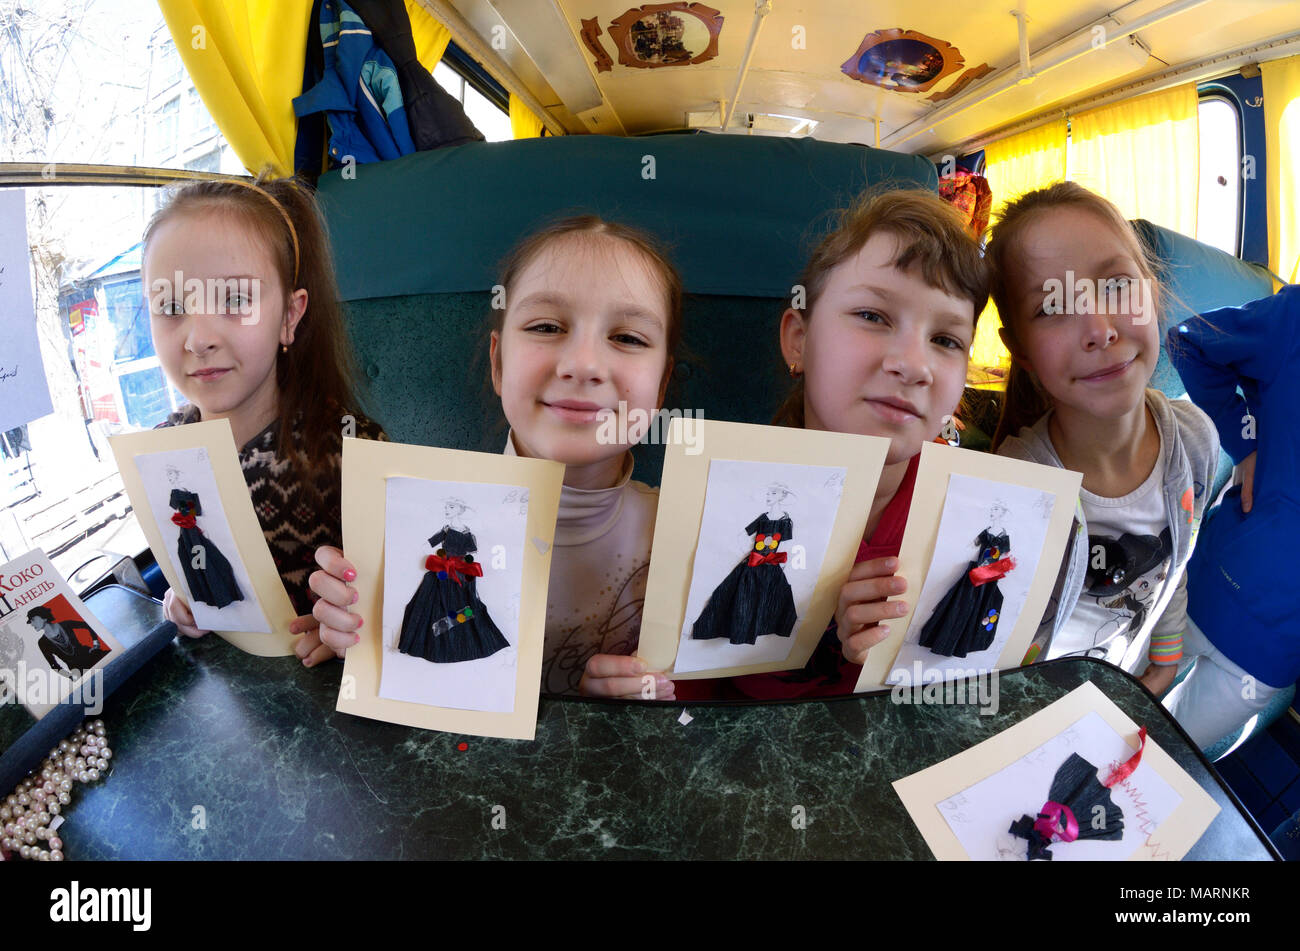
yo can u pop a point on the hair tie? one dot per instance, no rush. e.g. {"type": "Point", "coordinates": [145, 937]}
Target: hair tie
{"type": "Point", "coordinates": [293, 232]}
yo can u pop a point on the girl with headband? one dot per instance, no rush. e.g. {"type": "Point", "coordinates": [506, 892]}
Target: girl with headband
{"type": "Point", "coordinates": [247, 325]}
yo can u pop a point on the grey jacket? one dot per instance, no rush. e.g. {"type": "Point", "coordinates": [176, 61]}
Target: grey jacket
{"type": "Point", "coordinates": [1190, 448]}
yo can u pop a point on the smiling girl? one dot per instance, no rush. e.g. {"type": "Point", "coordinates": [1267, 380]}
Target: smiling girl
{"type": "Point", "coordinates": [247, 326]}
{"type": "Point", "coordinates": [592, 318]}
{"type": "Point", "coordinates": [1077, 398]}
{"type": "Point", "coordinates": [879, 347]}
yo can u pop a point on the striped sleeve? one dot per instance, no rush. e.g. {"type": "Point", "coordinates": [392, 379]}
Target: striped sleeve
{"type": "Point", "coordinates": [1166, 649]}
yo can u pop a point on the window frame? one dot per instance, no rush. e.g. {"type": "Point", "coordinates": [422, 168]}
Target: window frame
{"type": "Point", "coordinates": [475, 75]}
{"type": "Point", "coordinates": [1210, 92]}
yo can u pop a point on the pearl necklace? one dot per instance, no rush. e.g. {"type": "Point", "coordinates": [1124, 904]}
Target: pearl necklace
{"type": "Point", "coordinates": [27, 813]}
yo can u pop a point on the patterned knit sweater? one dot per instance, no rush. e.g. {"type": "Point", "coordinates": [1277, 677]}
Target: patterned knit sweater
{"type": "Point", "coordinates": [294, 525]}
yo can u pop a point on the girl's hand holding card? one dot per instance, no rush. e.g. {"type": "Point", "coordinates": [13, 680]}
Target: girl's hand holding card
{"type": "Point", "coordinates": [861, 612]}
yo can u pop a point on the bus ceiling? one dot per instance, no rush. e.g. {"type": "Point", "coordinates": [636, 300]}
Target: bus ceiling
{"type": "Point", "coordinates": [920, 78]}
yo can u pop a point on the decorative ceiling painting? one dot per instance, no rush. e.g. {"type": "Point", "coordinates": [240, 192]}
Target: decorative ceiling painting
{"type": "Point", "coordinates": [590, 38]}
{"type": "Point", "coordinates": [907, 61]}
{"type": "Point", "coordinates": [657, 35]}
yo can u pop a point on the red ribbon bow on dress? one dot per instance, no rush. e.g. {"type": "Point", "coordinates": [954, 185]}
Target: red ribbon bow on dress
{"type": "Point", "coordinates": [991, 572]}
{"type": "Point", "coordinates": [453, 566]}
{"type": "Point", "coordinates": [771, 558]}
{"type": "Point", "coordinates": [184, 521]}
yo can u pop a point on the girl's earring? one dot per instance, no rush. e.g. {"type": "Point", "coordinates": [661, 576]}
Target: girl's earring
{"type": "Point", "coordinates": [795, 372]}
{"type": "Point", "coordinates": [284, 348]}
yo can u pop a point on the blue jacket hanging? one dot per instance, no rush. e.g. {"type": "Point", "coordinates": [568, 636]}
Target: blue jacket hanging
{"type": "Point", "coordinates": [359, 93]}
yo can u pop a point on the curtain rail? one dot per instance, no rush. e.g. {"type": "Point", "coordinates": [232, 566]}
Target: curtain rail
{"type": "Point", "coordinates": [1200, 71]}
{"type": "Point", "coordinates": [74, 173]}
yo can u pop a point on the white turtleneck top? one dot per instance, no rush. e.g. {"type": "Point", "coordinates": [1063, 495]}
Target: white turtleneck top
{"type": "Point", "coordinates": [598, 575]}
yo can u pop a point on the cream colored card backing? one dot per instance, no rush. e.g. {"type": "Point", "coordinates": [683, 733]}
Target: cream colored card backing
{"type": "Point", "coordinates": [215, 437]}
{"type": "Point", "coordinates": [1169, 839]}
{"type": "Point", "coordinates": [938, 463]}
{"type": "Point", "coordinates": [367, 467]}
{"type": "Point", "coordinates": [694, 445]}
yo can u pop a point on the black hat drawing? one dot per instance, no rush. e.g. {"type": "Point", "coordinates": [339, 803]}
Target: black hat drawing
{"type": "Point", "coordinates": [1123, 559]}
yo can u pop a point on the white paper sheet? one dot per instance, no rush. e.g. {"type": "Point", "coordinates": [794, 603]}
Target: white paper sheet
{"type": "Point", "coordinates": [739, 491]}
{"type": "Point", "coordinates": [966, 513]}
{"type": "Point", "coordinates": [191, 470]}
{"type": "Point", "coordinates": [24, 392]}
{"type": "Point", "coordinates": [497, 515]}
{"type": "Point", "coordinates": [981, 815]}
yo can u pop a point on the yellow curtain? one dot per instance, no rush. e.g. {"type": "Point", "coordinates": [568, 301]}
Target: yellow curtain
{"type": "Point", "coordinates": [1021, 163]}
{"type": "Point", "coordinates": [1281, 79]}
{"type": "Point", "coordinates": [246, 60]}
{"type": "Point", "coordinates": [1143, 154]}
{"type": "Point", "coordinates": [431, 37]}
{"type": "Point", "coordinates": [524, 123]}
{"type": "Point", "coordinates": [1013, 166]}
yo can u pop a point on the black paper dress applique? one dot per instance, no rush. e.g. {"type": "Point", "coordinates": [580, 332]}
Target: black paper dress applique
{"type": "Point", "coordinates": [213, 584]}
{"type": "Point", "coordinates": [445, 622]}
{"type": "Point", "coordinates": [1070, 810]}
{"type": "Point", "coordinates": [966, 619]}
{"type": "Point", "coordinates": [755, 598]}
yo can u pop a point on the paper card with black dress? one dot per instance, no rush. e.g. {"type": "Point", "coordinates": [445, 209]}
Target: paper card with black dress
{"type": "Point", "coordinates": [207, 571]}
{"type": "Point", "coordinates": [755, 598]}
{"type": "Point", "coordinates": [966, 619]}
{"type": "Point", "coordinates": [1076, 781]}
{"type": "Point", "coordinates": [197, 511]}
{"type": "Point", "coordinates": [1078, 806]}
{"type": "Point", "coordinates": [445, 621]}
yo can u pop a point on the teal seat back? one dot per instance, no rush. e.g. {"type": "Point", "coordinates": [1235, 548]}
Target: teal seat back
{"type": "Point", "coordinates": [1196, 278]}
{"type": "Point", "coordinates": [418, 241]}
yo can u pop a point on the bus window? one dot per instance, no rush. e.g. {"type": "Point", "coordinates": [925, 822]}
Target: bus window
{"type": "Point", "coordinates": [1218, 215]}
{"type": "Point", "coordinates": [59, 484]}
{"type": "Point", "coordinates": [486, 115]}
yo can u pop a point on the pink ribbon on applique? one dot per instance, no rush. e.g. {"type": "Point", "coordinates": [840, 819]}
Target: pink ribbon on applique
{"type": "Point", "coordinates": [1048, 824]}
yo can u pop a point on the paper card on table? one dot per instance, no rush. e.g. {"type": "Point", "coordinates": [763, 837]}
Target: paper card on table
{"type": "Point", "coordinates": [1053, 785]}
{"type": "Point", "coordinates": [24, 392]}
{"type": "Point", "coordinates": [757, 530]}
{"type": "Point", "coordinates": [982, 549]}
{"type": "Point", "coordinates": [453, 554]}
{"type": "Point", "coordinates": [192, 503]}
{"type": "Point", "coordinates": [52, 648]}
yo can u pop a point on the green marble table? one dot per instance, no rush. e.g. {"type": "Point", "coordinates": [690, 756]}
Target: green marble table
{"type": "Point", "coordinates": [221, 755]}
